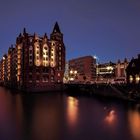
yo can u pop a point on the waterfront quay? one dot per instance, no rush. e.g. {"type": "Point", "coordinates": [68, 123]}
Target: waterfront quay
{"type": "Point", "coordinates": [127, 92]}
{"type": "Point", "coordinates": [130, 92]}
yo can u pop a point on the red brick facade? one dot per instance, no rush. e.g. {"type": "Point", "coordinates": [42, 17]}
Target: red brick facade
{"type": "Point", "coordinates": [39, 62]}
{"type": "Point", "coordinates": [85, 68]}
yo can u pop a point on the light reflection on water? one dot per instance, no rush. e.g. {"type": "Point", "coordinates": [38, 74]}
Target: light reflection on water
{"type": "Point", "coordinates": [61, 117]}
{"type": "Point", "coordinates": [134, 123]}
{"type": "Point", "coordinates": [72, 110]}
{"type": "Point", "coordinates": [111, 117]}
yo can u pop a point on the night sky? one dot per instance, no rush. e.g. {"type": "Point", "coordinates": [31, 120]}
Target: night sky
{"type": "Point", "coordinates": [109, 29]}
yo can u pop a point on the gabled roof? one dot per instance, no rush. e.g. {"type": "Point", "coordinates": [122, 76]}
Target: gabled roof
{"type": "Point", "coordinates": [134, 65]}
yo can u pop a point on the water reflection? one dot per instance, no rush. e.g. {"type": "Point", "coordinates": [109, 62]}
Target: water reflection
{"type": "Point", "coordinates": [134, 123]}
{"type": "Point", "coordinates": [72, 111]}
{"type": "Point", "coordinates": [11, 116]}
{"type": "Point", "coordinates": [61, 117]}
{"type": "Point", "coordinates": [46, 119]}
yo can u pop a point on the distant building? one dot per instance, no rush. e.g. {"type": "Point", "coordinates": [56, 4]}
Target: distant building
{"type": "Point", "coordinates": [105, 72]}
{"type": "Point", "coordinates": [36, 63]}
{"type": "Point", "coordinates": [120, 71]}
{"type": "Point", "coordinates": [82, 69]}
{"type": "Point", "coordinates": [133, 71]}
{"type": "Point", "coordinates": [3, 65]}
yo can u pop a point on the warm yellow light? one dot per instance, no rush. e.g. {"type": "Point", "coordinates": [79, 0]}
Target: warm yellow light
{"type": "Point", "coordinates": [134, 123]}
{"type": "Point", "coordinates": [37, 63]}
{"type": "Point", "coordinates": [137, 78]}
{"type": "Point", "coordinates": [109, 68]}
{"type": "Point", "coordinates": [72, 110]}
{"type": "Point", "coordinates": [75, 72]}
{"type": "Point", "coordinates": [71, 79]}
{"type": "Point", "coordinates": [131, 79]}
{"type": "Point", "coordinates": [71, 71]}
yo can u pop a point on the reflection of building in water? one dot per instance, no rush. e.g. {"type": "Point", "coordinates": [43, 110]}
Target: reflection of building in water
{"type": "Point", "coordinates": [134, 123]}
{"type": "Point", "coordinates": [19, 112]}
{"type": "Point", "coordinates": [72, 111]}
{"type": "Point", "coordinates": [45, 119]}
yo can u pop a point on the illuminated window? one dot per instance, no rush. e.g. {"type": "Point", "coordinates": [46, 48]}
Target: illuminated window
{"type": "Point", "coordinates": [19, 66]}
{"type": "Point", "coordinates": [45, 48]}
{"type": "Point", "coordinates": [137, 79]}
{"type": "Point", "coordinates": [131, 78]}
{"type": "Point", "coordinates": [18, 78]}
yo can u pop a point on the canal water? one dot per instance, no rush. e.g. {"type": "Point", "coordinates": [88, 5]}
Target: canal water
{"type": "Point", "coordinates": [56, 116]}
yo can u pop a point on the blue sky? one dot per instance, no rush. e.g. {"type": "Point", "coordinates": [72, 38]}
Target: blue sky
{"type": "Point", "coordinates": [109, 29]}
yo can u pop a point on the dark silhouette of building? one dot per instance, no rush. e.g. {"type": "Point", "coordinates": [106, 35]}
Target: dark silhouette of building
{"type": "Point", "coordinates": [133, 71]}
{"type": "Point", "coordinates": [36, 63]}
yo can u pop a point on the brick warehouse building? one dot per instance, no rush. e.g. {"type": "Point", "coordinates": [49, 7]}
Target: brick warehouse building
{"type": "Point", "coordinates": [82, 69]}
{"type": "Point", "coordinates": [36, 63]}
